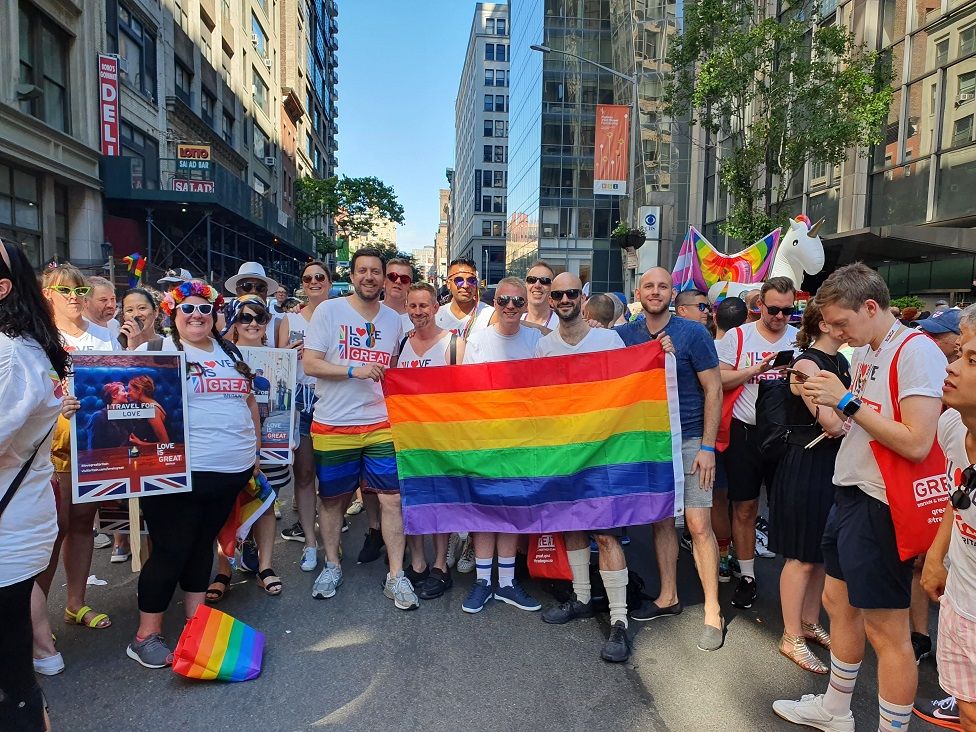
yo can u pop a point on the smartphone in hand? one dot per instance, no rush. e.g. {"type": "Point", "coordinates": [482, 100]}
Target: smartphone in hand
{"type": "Point", "coordinates": [783, 358]}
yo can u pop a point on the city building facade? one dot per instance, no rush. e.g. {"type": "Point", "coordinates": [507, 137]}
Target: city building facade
{"type": "Point", "coordinates": [440, 247]}
{"type": "Point", "coordinates": [479, 192]}
{"type": "Point", "coordinates": [50, 190]}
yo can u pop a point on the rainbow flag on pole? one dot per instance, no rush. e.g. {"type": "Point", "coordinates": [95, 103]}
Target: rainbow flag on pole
{"type": "Point", "coordinates": [135, 264]}
{"type": "Point", "coordinates": [556, 444]}
{"type": "Point", "coordinates": [215, 646]}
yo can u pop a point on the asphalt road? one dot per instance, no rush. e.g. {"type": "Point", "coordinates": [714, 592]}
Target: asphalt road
{"type": "Point", "coordinates": [355, 662]}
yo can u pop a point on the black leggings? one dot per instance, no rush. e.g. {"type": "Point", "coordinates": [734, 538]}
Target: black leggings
{"type": "Point", "coordinates": [183, 527]}
{"type": "Point", "coordinates": [21, 703]}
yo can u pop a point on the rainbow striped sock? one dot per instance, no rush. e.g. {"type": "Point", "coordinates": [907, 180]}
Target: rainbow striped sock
{"type": "Point", "coordinates": [843, 676]}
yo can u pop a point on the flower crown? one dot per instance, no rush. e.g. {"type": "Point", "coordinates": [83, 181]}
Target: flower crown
{"type": "Point", "coordinates": [190, 289]}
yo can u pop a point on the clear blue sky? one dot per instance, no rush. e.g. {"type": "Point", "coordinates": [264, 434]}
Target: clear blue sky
{"type": "Point", "coordinates": [399, 68]}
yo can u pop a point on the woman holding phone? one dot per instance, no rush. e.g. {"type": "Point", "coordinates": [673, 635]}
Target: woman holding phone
{"type": "Point", "coordinates": [139, 317]}
{"type": "Point", "coordinates": [802, 492]}
{"type": "Point", "coordinates": [316, 281]}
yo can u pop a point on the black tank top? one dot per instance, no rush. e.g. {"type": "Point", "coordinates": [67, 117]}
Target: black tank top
{"type": "Point", "coordinates": [796, 409]}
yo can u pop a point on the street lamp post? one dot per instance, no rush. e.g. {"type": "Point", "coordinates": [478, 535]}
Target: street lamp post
{"type": "Point", "coordinates": [634, 132]}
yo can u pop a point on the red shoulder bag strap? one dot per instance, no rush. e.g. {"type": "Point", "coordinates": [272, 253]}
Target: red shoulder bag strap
{"type": "Point", "coordinates": [893, 378]}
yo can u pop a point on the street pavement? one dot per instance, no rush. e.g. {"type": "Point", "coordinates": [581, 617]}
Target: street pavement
{"type": "Point", "coordinates": [354, 662]}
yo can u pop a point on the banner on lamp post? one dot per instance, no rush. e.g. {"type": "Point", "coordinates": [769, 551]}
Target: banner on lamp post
{"type": "Point", "coordinates": [611, 150]}
{"type": "Point", "coordinates": [649, 219]}
{"type": "Point", "coordinates": [108, 103]}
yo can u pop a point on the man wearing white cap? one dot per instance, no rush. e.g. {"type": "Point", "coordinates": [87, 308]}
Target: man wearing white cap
{"type": "Point", "coordinates": [173, 277]}
{"type": "Point", "coordinates": [251, 280]}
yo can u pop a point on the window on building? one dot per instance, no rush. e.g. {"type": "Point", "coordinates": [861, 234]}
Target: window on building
{"type": "Point", "coordinates": [490, 77]}
{"type": "Point", "coordinates": [208, 103]}
{"type": "Point", "coordinates": [500, 130]}
{"type": "Point", "coordinates": [941, 51]}
{"type": "Point", "coordinates": [180, 16]}
{"type": "Point", "coordinates": [20, 214]}
{"type": "Point", "coordinates": [501, 78]}
{"type": "Point", "coordinates": [486, 178]}
{"type": "Point", "coordinates": [485, 227]}
{"type": "Point", "coordinates": [227, 127]}
{"type": "Point", "coordinates": [498, 204]}
{"type": "Point", "coordinates": [500, 52]}
{"type": "Point", "coordinates": [486, 203]}
{"type": "Point", "coordinates": [260, 90]}
{"type": "Point", "coordinates": [489, 52]}
{"type": "Point", "coordinates": [490, 25]}
{"type": "Point", "coordinates": [501, 24]}
{"type": "Point", "coordinates": [489, 128]}
{"type": "Point", "coordinates": [44, 50]}
{"type": "Point", "coordinates": [499, 103]}
{"type": "Point", "coordinates": [184, 82]}
{"type": "Point", "coordinates": [259, 38]}
{"type": "Point", "coordinates": [264, 5]}
{"type": "Point", "coordinates": [486, 157]}
{"type": "Point", "coordinates": [498, 179]}
{"type": "Point", "coordinates": [489, 102]}
{"type": "Point", "coordinates": [500, 153]}
{"type": "Point", "coordinates": [967, 40]}
{"type": "Point", "coordinates": [260, 185]}
{"type": "Point", "coordinates": [262, 144]}
{"type": "Point", "coordinates": [226, 63]}
{"type": "Point", "coordinates": [137, 45]}
{"type": "Point", "coordinates": [967, 88]}
{"type": "Point", "coordinates": [206, 40]}
{"type": "Point", "coordinates": [498, 228]}
{"type": "Point", "coordinates": [144, 151]}
{"type": "Point", "coordinates": [962, 130]}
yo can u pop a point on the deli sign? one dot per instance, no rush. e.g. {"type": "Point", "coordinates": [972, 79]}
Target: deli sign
{"type": "Point", "coordinates": [192, 157]}
{"type": "Point", "coordinates": [108, 103]}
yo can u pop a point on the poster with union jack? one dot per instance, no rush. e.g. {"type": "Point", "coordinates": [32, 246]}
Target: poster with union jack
{"type": "Point", "coordinates": [129, 438]}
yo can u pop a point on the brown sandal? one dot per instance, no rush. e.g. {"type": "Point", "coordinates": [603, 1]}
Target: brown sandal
{"type": "Point", "coordinates": [817, 633]}
{"type": "Point", "coordinates": [800, 654]}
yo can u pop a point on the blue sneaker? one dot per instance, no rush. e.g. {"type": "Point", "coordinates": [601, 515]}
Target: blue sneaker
{"type": "Point", "coordinates": [249, 557]}
{"type": "Point", "coordinates": [481, 592]}
{"type": "Point", "coordinates": [518, 597]}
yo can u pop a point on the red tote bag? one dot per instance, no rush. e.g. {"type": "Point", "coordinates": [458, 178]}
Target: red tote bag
{"type": "Point", "coordinates": [548, 558]}
{"type": "Point", "coordinates": [728, 402]}
{"type": "Point", "coordinates": [917, 492]}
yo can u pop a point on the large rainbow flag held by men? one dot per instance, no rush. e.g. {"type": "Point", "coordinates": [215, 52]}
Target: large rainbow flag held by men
{"type": "Point", "coordinates": [700, 265]}
{"type": "Point", "coordinates": [557, 444]}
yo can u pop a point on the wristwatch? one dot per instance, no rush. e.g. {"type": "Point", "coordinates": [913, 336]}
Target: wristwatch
{"type": "Point", "coordinates": [850, 409]}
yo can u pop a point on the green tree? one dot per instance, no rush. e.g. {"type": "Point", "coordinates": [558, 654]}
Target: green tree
{"type": "Point", "coordinates": [777, 94]}
{"type": "Point", "coordinates": [355, 204]}
{"type": "Point", "coordinates": [387, 252]}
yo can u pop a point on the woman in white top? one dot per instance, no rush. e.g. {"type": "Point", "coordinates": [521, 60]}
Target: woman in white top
{"type": "Point", "coordinates": [316, 281]}
{"type": "Point", "coordinates": [223, 425]}
{"type": "Point", "coordinates": [33, 363]}
{"type": "Point", "coordinates": [66, 290]}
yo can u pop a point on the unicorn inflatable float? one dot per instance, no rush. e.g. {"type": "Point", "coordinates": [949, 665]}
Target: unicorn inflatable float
{"type": "Point", "coordinates": [701, 267]}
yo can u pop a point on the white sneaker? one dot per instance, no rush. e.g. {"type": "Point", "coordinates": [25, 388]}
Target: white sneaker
{"type": "Point", "coordinates": [400, 590]}
{"type": "Point", "coordinates": [50, 666]}
{"type": "Point", "coordinates": [310, 559]}
{"type": "Point", "coordinates": [328, 580]}
{"type": "Point", "coordinates": [453, 546]}
{"type": "Point", "coordinates": [465, 563]}
{"type": "Point", "coordinates": [809, 710]}
{"type": "Point", "coordinates": [102, 540]}
{"type": "Point", "coordinates": [762, 542]}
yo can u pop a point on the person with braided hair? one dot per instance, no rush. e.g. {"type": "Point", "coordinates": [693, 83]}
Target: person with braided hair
{"type": "Point", "coordinates": [224, 429]}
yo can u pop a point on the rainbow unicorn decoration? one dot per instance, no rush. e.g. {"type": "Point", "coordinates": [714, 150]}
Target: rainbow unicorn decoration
{"type": "Point", "coordinates": [699, 266]}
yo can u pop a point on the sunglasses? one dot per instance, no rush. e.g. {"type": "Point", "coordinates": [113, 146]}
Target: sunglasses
{"type": "Point", "coordinates": [774, 311]}
{"type": "Point", "coordinates": [188, 308]}
{"type": "Point", "coordinates": [517, 300]}
{"type": "Point", "coordinates": [248, 318]}
{"type": "Point", "coordinates": [532, 279]}
{"type": "Point", "coordinates": [462, 281]}
{"type": "Point", "coordinates": [703, 307]}
{"type": "Point", "coordinates": [69, 291]}
{"type": "Point", "coordinates": [256, 286]}
{"type": "Point", "coordinates": [318, 277]}
{"type": "Point", "coordinates": [558, 295]}
{"type": "Point", "coordinates": [960, 498]}
{"type": "Point", "coordinates": [402, 279]}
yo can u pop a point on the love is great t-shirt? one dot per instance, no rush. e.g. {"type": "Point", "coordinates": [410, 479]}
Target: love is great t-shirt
{"type": "Point", "coordinates": [221, 429]}
{"type": "Point", "coordinates": [754, 349]}
{"type": "Point", "coordinates": [348, 339]}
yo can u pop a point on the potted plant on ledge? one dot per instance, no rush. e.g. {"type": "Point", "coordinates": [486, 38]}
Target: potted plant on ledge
{"type": "Point", "coordinates": [627, 238]}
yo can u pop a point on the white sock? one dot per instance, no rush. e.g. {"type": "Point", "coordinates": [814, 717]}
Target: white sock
{"type": "Point", "coordinates": [843, 676]}
{"type": "Point", "coordinates": [893, 717]}
{"type": "Point", "coordinates": [506, 571]}
{"type": "Point", "coordinates": [579, 562]}
{"type": "Point", "coordinates": [748, 567]}
{"type": "Point", "coordinates": [615, 581]}
{"type": "Point", "coordinates": [482, 568]}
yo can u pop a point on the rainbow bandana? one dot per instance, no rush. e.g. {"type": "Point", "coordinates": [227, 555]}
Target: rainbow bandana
{"type": "Point", "coordinates": [569, 443]}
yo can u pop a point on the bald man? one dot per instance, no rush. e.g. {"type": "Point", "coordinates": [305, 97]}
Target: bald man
{"type": "Point", "coordinates": [700, 400]}
{"type": "Point", "coordinates": [574, 336]}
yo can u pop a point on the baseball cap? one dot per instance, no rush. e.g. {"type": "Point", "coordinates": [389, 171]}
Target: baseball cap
{"type": "Point", "coordinates": [175, 277]}
{"type": "Point", "coordinates": [945, 322]}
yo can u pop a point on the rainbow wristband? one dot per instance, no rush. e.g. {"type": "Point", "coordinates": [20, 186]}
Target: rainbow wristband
{"type": "Point", "coordinates": [349, 373]}
{"type": "Point", "coordinates": [844, 401]}
{"type": "Point", "coordinates": [707, 448]}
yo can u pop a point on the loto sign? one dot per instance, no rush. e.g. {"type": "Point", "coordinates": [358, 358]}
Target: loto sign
{"type": "Point", "coordinates": [108, 103]}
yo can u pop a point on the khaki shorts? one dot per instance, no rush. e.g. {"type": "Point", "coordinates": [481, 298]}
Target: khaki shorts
{"type": "Point", "coordinates": [695, 496]}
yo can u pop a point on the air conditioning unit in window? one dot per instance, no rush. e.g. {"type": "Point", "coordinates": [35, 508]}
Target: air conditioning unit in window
{"type": "Point", "coordinates": [964, 97]}
{"type": "Point", "coordinates": [267, 62]}
{"type": "Point", "coordinates": [270, 161]}
{"type": "Point", "coordinates": [254, 39]}
{"type": "Point", "coordinates": [123, 65]}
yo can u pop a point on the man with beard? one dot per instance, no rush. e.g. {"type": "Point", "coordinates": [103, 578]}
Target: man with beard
{"type": "Point", "coordinates": [350, 343]}
{"type": "Point", "coordinates": [574, 336]}
{"type": "Point", "coordinates": [466, 313]}
{"type": "Point", "coordinates": [100, 309]}
{"type": "Point", "coordinates": [538, 282]}
{"type": "Point", "coordinates": [700, 400]}
{"type": "Point", "coordinates": [399, 277]}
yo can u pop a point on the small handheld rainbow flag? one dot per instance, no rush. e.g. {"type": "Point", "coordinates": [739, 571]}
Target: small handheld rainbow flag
{"type": "Point", "coordinates": [217, 647]}
{"type": "Point", "coordinates": [570, 443]}
{"type": "Point", "coordinates": [135, 264]}
{"type": "Point", "coordinates": [253, 500]}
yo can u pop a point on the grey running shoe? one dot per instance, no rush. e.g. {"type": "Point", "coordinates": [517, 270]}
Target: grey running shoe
{"type": "Point", "coordinates": [328, 580]}
{"type": "Point", "coordinates": [401, 592]}
{"type": "Point", "coordinates": [310, 559]}
{"type": "Point", "coordinates": [151, 652]}
{"type": "Point", "coordinates": [465, 562]}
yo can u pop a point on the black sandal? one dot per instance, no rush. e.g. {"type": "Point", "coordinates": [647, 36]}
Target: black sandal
{"type": "Point", "coordinates": [272, 588]}
{"type": "Point", "coordinates": [214, 596]}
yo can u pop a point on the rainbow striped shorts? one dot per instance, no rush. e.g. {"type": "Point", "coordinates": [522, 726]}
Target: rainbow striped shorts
{"type": "Point", "coordinates": [348, 456]}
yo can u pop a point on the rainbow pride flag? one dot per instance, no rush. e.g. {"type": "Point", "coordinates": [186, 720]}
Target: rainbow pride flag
{"type": "Point", "coordinates": [699, 265]}
{"type": "Point", "coordinates": [215, 646]}
{"type": "Point", "coordinates": [557, 444]}
{"type": "Point", "coordinates": [253, 500]}
{"type": "Point", "coordinates": [135, 264]}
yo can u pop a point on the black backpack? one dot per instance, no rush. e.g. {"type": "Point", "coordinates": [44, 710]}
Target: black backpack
{"type": "Point", "coordinates": [772, 418]}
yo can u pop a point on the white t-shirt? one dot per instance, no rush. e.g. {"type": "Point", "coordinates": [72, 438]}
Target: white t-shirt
{"type": "Point", "coordinates": [436, 355]}
{"type": "Point", "coordinates": [961, 584]}
{"type": "Point", "coordinates": [405, 323]}
{"type": "Point", "coordinates": [597, 339]}
{"type": "Point", "coordinates": [445, 319]}
{"type": "Point", "coordinates": [346, 339]}
{"type": "Point", "coordinates": [30, 400]}
{"type": "Point", "coordinates": [95, 338]}
{"type": "Point", "coordinates": [219, 421]}
{"type": "Point", "coordinates": [921, 372]}
{"type": "Point", "coordinates": [754, 349]}
{"type": "Point", "coordinates": [488, 345]}
{"type": "Point", "coordinates": [551, 323]}
{"type": "Point", "coordinates": [297, 325]}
